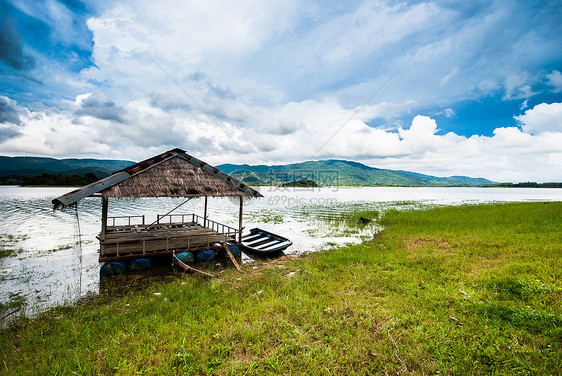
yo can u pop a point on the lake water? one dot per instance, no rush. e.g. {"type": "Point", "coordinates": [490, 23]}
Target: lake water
{"type": "Point", "coordinates": [53, 267]}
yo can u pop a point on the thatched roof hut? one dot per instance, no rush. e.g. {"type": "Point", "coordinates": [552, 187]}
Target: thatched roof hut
{"type": "Point", "coordinates": [171, 174]}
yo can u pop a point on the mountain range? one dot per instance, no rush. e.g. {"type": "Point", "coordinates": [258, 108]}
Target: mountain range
{"type": "Point", "coordinates": [34, 166]}
{"type": "Point", "coordinates": [343, 173]}
{"type": "Point", "coordinates": [324, 173]}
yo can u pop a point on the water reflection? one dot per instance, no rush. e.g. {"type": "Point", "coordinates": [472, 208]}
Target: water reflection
{"type": "Point", "coordinates": [50, 267]}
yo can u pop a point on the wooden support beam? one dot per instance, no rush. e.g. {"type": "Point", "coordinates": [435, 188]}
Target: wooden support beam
{"type": "Point", "coordinates": [205, 213]}
{"type": "Point", "coordinates": [104, 207]}
{"type": "Point", "coordinates": [240, 221]}
{"type": "Point", "coordinates": [225, 245]}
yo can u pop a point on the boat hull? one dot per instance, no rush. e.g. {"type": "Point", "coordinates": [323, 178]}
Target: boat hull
{"type": "Point", "coordinates": [264, 243]}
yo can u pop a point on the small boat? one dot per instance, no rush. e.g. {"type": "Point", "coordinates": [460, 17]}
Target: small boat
{"type": "Point", "coordinates": [264, 243]}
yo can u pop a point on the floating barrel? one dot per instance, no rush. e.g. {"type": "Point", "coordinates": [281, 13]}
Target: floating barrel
{"type": "Point", "coordinates": [140, 264]}
{"type": "Point", "coordinates": [185, 257]}
{"type": "Point", "coordinates": [112, 268]}
{"type": "Point", "coordinates": [205, 255]}
{"type": "Point", "coordinates": [235, 250]}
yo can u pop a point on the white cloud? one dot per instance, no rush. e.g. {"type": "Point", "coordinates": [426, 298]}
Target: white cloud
{"type": "Point", "coordinates": [518, 85]}
{"type": "Point", "coordinates": [278, 79]}
{"type": "Point", "coordinates": [445, 80]}
{"type": "Point", "coordinates": [542, 118]}
{"type": "Point", "coordinates": [53, 133]}
{"type": "Point", "coordinates": [555, 80]}
{"type": "Point", "coordinates": [135, 39]}
{"type": "Point", "coordinates": [447, 112]}
{"type": "Point", "coordinates": [291, 133]}
{"type": "Point", "coordinates": [372, 26]}
{"type": "Point", "coordinates": [421, 134]}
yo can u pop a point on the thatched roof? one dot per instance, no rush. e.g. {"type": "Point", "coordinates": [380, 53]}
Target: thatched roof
{"type": "Point", "coordinates": [171, 174]}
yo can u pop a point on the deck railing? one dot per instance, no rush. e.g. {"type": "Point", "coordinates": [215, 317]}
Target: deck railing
{"type": "Point", "coordinates": [129, 219]}
{"type": "Point", "coordinates": [197, 219]}
{"type": "Point", "coordinates": [215, 226]}
{"type": "Point", "coordinates": [167, 241]}
{"type": "Point", "coordinates": [161, 218]}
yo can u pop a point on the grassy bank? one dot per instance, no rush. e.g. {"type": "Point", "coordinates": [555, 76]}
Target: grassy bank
{"type": "Point", "coordinates": [455, 290]}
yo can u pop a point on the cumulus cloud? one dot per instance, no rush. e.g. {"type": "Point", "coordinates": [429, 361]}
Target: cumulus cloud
{"type": "Point", "coordinates": [272, 82]}
{"type": "Point", "coordinates": [294, 132]}
{"type": "Point", "coordinates": [9, 112]}
{"type": "Point", "coordinates": [98, 106]}
{"type": "Point", "coordinates": [48, 132]}
{"type": "Point", "coordinates": [9, 119]}
{"type": "Point", "coordinates": [7, 132]}
{"type": "Point", "coordinates": [542, 118]}
{"type": "Point", "coordinates": [11, 47]}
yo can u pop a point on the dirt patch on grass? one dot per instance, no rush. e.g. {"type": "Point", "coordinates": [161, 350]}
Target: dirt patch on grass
{"type": "Point", "coordinates": [256, 270]}
{"type": "Point", "coordinates": [436, 244]}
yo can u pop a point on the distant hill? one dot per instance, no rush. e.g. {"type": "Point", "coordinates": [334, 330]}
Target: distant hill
{"type": "Point", "coordinates": [449, 181]}
{"type": "Point", "coordinates": [324, 173]}
{"type": "Point", "coordinates": [35, 166]}
{"type": "Point", "coordinates": [341, 172]}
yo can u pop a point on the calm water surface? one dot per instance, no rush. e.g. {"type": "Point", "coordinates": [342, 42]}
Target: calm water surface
{"type": "Point", "coordinates": [53, 267]}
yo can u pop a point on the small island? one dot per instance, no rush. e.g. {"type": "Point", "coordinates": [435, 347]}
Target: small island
{"type": "Point", "coordinates": [300, 183]}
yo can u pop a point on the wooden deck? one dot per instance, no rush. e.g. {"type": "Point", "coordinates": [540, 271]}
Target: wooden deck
{"type": "Point", "coordinates": [170, 233]}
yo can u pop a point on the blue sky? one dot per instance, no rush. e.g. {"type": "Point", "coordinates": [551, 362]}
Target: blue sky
{"type": "Point", "coordinates": [436, 87]}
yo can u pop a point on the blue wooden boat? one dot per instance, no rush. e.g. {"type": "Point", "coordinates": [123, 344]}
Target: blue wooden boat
{"type": "Point", "coordinates": [264, 243]}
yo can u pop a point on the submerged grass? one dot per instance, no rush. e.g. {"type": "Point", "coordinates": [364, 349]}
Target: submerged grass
{"type": "Point", "coordinates": [449, 290]}
{"type": "Point", "coordinates": [7, 245]}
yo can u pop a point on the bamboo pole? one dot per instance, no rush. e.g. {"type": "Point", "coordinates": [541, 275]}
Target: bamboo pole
{"type": "Point", "coordinates": [187, 267]}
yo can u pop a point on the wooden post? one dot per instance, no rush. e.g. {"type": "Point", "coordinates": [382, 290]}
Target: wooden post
{"type": "Point", "coordinates": [205, 213]}
{"type": "Point", "coordinates": [240, 221]}
{"type": "Point", "coordinates": [104, 206]}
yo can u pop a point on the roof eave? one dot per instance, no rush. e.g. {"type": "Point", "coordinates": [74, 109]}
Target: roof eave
{"type": "Point", "coordinates": [72, 197]}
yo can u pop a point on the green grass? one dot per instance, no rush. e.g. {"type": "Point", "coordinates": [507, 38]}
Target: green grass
{"type": "Point", "coordinates": [266, 216]}
{"type": "Point", "coordinates": [388, 306]}
{"type": "Point", "coordinates": [7, 245]}
{"type": "Point", "coordinates": [15, 301]}
{"type": "Point", "coordinates": [60, 248]}
{"type": "Point", "coordinates": [356, 219]}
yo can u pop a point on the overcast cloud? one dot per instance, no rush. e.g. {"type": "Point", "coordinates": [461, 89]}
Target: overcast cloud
{"type": "Point", "coordinates": [436, 87]}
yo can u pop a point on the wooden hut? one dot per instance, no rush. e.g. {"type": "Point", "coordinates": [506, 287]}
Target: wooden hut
{"type": "Point", "coordinates": [171, 174]}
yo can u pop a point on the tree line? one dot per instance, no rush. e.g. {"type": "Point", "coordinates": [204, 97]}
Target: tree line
{"type": "Point", "coordinates": [49, 180]}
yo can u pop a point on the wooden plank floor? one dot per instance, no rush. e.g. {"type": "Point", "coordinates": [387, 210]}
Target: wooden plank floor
{"type": "Point", "coordinates": [156, 239]}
